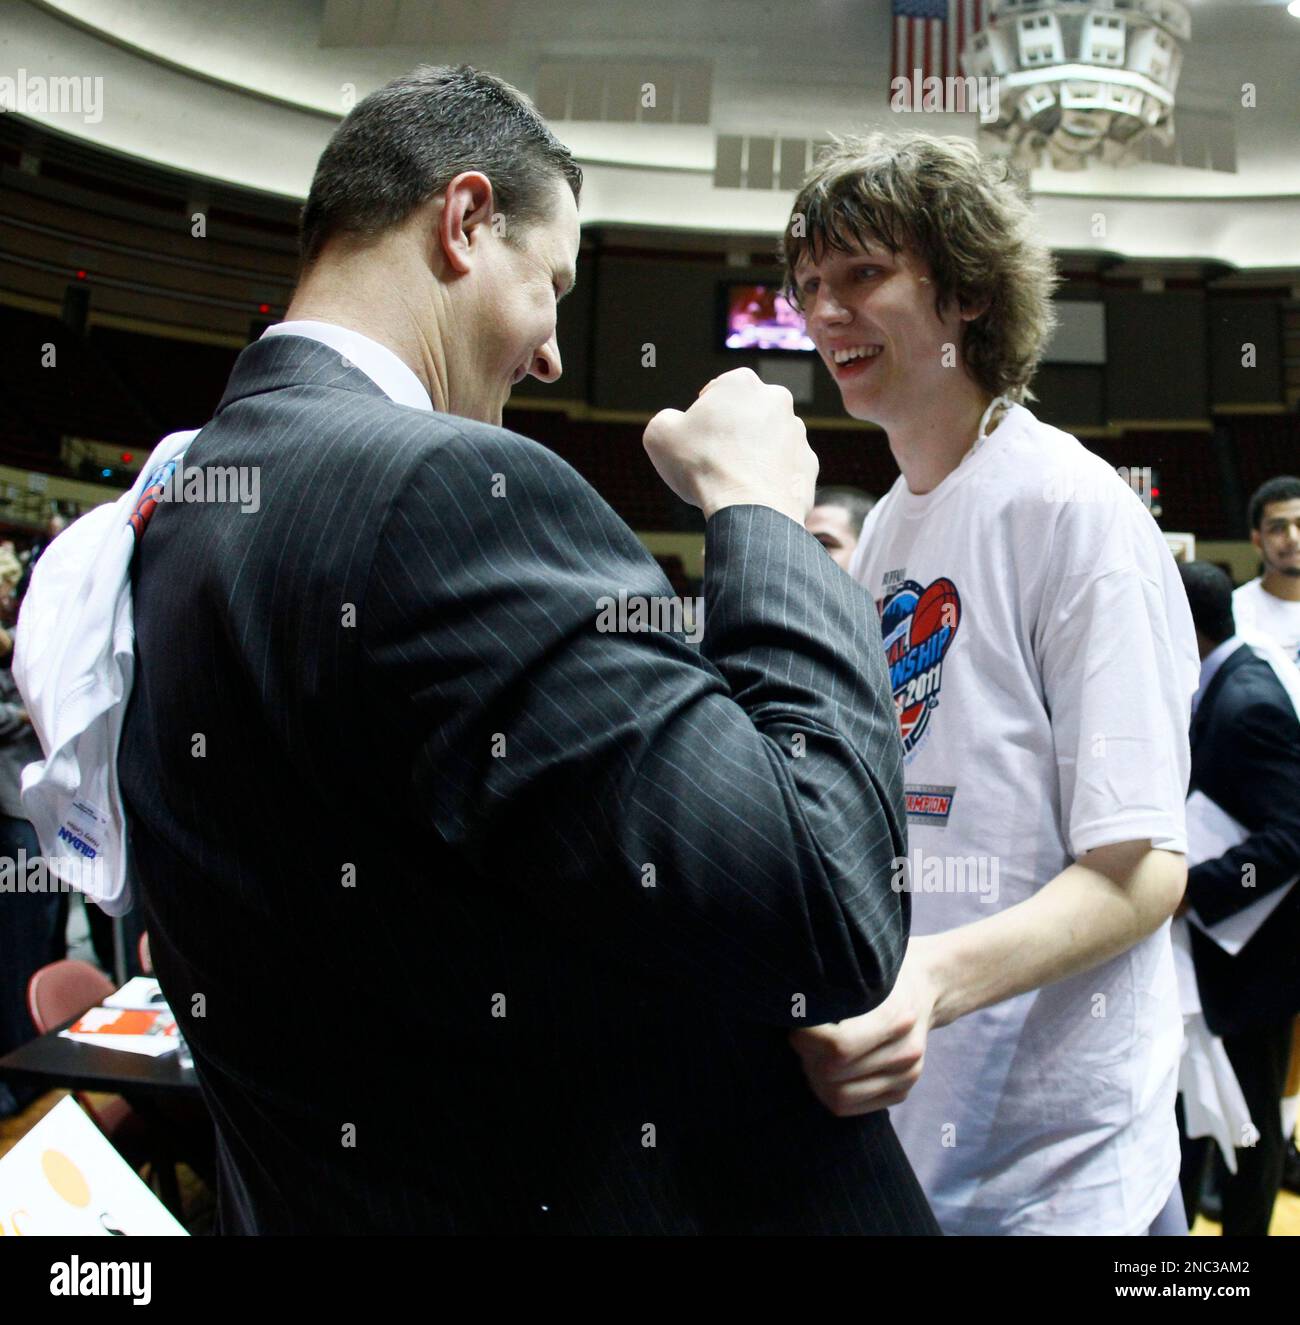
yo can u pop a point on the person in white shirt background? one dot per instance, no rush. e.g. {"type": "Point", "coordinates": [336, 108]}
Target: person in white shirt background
{"type": "Point", "coordinates": [1270, 603]}
{"type": "Point", "coordinates": [1044, 660]}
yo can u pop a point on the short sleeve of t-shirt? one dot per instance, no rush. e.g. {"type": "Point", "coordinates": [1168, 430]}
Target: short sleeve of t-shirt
{"type": "Point", "coordinates": [1118, 660]}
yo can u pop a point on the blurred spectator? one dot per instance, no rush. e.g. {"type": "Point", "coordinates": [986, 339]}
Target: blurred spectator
{"type": "Point", "coordinates": [54, 526]}
{"type": "Point", "coordinates": [1245, 741]}
{"type": "Point", "coordinates": [835, 520]}
{"type": "Point", "coordinates": [33, 925]}
{"type": "Point", "coordinates": [11, 569]}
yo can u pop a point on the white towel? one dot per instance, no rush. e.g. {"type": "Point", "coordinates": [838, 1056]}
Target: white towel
{"type": "Point", "coordinates": [1213, 1104]}
{"type": "Point", "coordinates": [74, 664]}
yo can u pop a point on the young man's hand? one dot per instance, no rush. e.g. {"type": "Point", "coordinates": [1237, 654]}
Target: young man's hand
{"type": "Point", "coordinates": [872, 1061]}
{"type": "Point", "coordinates": [739, 444]}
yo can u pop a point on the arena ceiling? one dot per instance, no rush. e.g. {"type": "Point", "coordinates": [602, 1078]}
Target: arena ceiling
{"type": "Point", "coordinates": [247, 91]}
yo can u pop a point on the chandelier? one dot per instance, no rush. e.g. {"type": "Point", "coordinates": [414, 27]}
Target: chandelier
{"type": "Point", "coordinates": [1080, 79]}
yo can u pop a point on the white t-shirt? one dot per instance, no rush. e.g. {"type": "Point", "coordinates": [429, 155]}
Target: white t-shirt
{"type": "Point", "coordinates": [1044, 662]}
{"type": "Point", "coordinates": [1254, 608]}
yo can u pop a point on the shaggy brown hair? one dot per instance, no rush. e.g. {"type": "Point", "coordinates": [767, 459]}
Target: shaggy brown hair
{"type": "Point", "coordinates": [966, 216]}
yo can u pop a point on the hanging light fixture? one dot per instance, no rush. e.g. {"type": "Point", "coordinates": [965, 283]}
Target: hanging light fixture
{"type": "Point", "coordinates": [1080, 79]}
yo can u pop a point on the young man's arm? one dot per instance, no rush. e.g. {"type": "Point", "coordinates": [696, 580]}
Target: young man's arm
{"type": "Point", "coordinates": [1113, 677]}
{"type": "Point", "coordinates": [1096, 908]}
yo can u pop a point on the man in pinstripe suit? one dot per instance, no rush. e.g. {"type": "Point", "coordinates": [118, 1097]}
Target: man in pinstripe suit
{"type": "Point", "coordinates": [478, 918]}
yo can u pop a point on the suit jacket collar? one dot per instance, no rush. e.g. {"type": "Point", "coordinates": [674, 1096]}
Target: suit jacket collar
{"type": "Point", "coordinates": [1231, 663]}
{"type": "Point", "coordinates": [283, 361]}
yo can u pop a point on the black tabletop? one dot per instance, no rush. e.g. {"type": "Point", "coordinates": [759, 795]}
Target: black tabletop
{"type": "Point", "coordinates": [63, 1062]}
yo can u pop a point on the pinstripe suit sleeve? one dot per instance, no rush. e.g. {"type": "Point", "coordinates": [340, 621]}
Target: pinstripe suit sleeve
{"type": "Point", "coordinates": [729, 816]}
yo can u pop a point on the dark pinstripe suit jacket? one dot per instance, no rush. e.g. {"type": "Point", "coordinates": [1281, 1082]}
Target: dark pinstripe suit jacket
{"type": "Point", "coordinates": [477, 918]}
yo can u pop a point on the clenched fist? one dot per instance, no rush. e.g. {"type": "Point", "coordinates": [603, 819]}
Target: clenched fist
{"type": "Point", "coordinates": [739, 444]}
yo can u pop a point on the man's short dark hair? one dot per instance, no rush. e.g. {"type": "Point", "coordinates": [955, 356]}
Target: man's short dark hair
{"type": "Point", "coordinates": [1286, 487]}
{"type": "Point", "coordinates": [404, 143]}
{"type": "Point", "coordinates": [966, 215]}
{"type": "Point", "coordinates": [854, 500]}
{"type": "Point", "coordinates": [1209, 592]}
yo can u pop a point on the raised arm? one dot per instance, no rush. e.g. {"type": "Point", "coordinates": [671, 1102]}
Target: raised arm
{"type": "Point", "coordinates": [731, 818]}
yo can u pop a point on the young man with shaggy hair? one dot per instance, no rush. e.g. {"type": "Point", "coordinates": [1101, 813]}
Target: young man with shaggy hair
{"type": "Point", "coordinates": [1043, 660]}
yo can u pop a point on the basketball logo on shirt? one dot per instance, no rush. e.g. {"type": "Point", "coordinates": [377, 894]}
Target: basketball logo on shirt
{"type": "Point", "coordinates": [918, 625]}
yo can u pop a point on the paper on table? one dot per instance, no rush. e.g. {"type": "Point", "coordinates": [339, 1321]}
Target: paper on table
{"type": "Point", "coordinates": [142, 992]}
{"type": "Point", "coordinates": [126, 1029]}
{"type": "Point", "coordinates": [65, 1178]}
{"type": "Point", "coordinates": [1211, 831]}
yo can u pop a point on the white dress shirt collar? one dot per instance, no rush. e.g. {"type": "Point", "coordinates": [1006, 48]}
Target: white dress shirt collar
{"type": "Point", "coordinates": [377, 361]}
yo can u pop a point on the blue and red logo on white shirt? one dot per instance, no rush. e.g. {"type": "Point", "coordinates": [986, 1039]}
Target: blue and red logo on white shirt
{"type": "Point", "coordinates": [918, 625]}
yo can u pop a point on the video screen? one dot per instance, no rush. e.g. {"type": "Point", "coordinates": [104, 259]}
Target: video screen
{"type": "Point", "coordinates": [757, 317]}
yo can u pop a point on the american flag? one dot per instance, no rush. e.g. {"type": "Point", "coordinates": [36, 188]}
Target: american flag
{"type": "Point", "coordinates": [929, 36]}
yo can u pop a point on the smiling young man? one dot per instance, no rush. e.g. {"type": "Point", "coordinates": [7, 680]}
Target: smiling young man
{"type": "Point", "coordinates": [1043, 660]}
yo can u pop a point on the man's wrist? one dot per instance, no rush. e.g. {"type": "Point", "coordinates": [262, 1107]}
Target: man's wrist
{"type": "Point", "coordinates": [934, 955]}
{"type": "Point", "coordinates": [741, 497]}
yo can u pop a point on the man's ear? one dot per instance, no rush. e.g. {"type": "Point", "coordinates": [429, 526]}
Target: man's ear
{"type": "Point", "coordinates": [1254, 538]}
{"type": "Point", "coordinates": [466, 217]}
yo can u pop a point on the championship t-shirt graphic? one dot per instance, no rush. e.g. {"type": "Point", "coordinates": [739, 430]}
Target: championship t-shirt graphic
{"type": "Point", "coordinates": [918, 623]}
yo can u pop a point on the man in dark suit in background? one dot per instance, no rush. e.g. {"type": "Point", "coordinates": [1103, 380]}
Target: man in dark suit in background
{"type": "Point", "coordinates": [1245, 740]}
{"type": "Point", "coordinates": [480, 915]}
